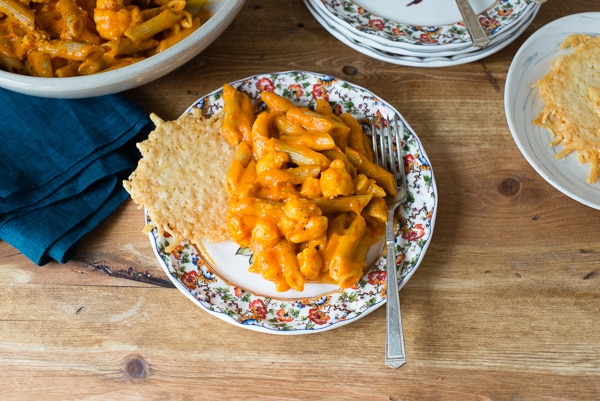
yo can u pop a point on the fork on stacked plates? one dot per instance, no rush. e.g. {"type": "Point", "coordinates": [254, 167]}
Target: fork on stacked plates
{"type": "Point", "coordinates": [422, 33]}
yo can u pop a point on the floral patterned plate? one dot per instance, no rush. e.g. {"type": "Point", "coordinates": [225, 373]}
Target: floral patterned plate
{"type": "Point", "coordinates": [424, 59]}
{"type": "Point", "coordinates": [226, 289]}
{"type": "Point", "coordinates": [420, 25]}
{"type": "Point", "coordinates": [358, 42]}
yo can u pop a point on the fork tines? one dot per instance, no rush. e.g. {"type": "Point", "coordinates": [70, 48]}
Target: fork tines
{"type": "Point", "coordinates": [386, 139]}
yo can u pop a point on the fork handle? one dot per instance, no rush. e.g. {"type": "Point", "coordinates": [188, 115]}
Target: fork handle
{"type": "Point", "coordinates": [395, 356]}
{"type": "Point", "coordinates": [478, 35]}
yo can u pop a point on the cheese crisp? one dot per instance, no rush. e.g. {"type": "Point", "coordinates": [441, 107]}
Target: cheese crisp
{"type": "Point", "coordinates": [180, 178]}
{"type": "Point", "coordinates": [571, 94]}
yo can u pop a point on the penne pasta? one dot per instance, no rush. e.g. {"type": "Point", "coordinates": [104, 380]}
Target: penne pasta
{"type": "Point", "coordinates": [40, 64]}
{"type": "Point", "coordinates": [12, 64]}
{"type": "Point", "coordinates": [276, 103]}
{"type": "Point", "coordinates": [126, 46]}
{"type": "Point", "coordinates": [69, 70]}
{"type": "Point", "coordinates": [289, 265]}
{"type": "Point", "coordinates": [242, 158]}
{"type": "Point", "coordinates": [341, 252]}
{"type": "Point", "coordinates": [308, 206]}
{"type": "Point", "coordinates": [175, 37]}
{"type": "Point", "coordinates": [383, 177]}
{"type": "Point", "coordinates": [238, 115]}
{"type": "Point", "coordinates": [82, 37]}
{"type": "Point", "coordinates": [344, 204]}
{"type": "Point", "coordinates": [69, 50]}
{"type": "Point", "coordinates": [301, 155]}
{"type": "Point", "coordinates": [75, 19]}
{"type": "Point", "coordinates": [22, 14]}
{"type": "Point", "coordinates": [310, 120]}
{"type": "Point", "coordinates": [312, 140]}
{"type": "Point", "coordinates": [163, 21]}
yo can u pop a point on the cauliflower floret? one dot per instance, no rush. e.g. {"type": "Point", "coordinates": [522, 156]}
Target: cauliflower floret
{"type": "Point", "coordinates": [302, 220]}
{"type": "Point", "coordinates": [311, 188]}
{"type": "Point", "coordinates": [310, 262]}
{"type": "Point", "coordinates": [112, 18]}
{"type": "Point", "coordinates": [265, 232]}
{"type": "Point", "coordinates": [271, 160]}
{"type": "Point", "coordinates": [336, 181]}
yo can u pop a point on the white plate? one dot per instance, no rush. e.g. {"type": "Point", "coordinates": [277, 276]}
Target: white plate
{"type": "Point", "coordinates": [426, 59]}
{"type": "Point", "coordinates": [523, 104]}
{"type": "Point", "coordinates": [229, 292]}
{"type": "Point", "coordinates": [389, 47]}
{"type": "Point", "coordinates": [417, 29]}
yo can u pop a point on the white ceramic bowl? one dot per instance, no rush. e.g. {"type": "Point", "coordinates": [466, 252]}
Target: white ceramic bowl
{"type": "Point", "coordinates": [134, 75]}
{"type": "Point", "coordinates": [523, 104]}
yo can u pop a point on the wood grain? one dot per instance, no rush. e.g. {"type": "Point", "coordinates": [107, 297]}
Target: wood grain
{"type": "Point", "coordinates": [503, 307]}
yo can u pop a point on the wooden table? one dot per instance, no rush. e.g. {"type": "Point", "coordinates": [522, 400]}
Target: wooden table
{"type": "Point", "coordinates": [503, 307]}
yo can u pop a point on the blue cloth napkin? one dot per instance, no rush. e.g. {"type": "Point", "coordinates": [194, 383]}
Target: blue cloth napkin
{"type": "Point", "coordinates": [63, 162]}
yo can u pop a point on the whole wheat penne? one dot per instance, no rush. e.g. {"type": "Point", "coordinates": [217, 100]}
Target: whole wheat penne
{"type": "Point", "coordinates": [311, 120]}
{"type": "Point", "coordinates": [177, 36]}
{"type": "Point", "coordinates": [355, 135]}
{"type": "Point", "coordinates": [366, 185]}
{"type": "Point", "coordinates": [75, 19]}
{"type": "Point", "coordinates": [72, 32]}
{"type": "Point", "coordinates": [242, 158]}
{"type": "Point", "coordinates": [341, 258]}
{"type": "Point", "coordinates": [249, 175]}
{"type": "Point", "coordinates": [163, 21]}
{"type": "Point", "coordinates": [270, 268]}
{"type": "Point", "coordinates": [289, 263]}
{"type": "Point", "coordinates": [337, 154]}
{"type": "Point", "coordinates": [69, 50]}
{"type": "Point", "coordinates": [341, 204]}
{"type": "Point", "coordinates": [126, 46]}
{"type": "Point", "coordinates": [313, 140]}
{"type": "Point", "coordinates": [12, 64]}
{"type": "Point", "coordinates": [68, 70]}
{"type": "Point", "coordinates": [40, 64]}
{"type": "Point", "coordinates": [238, 115]}
{"type": "Point", "coordinates": [302, 173]}
{"type": "Point", "coordinates": [275, 102]}
{"type": "Point", "coordinates": [18, 11]}
{"type": "Point", "coordinates": [376, 209]}
{"type": "Point", "coordinates": [381, 176]}
{"type": "Point", "coordinates": [259, 134]}
{"type": "Point", "coordinates": [301, 155]}
{"type": "Point", "coordinates": [322, 106]}
{"type": "Point", "coordinates": [308, 203]}
{"type": "Point", "coordinates": [123, 62]}
{"type": "Point", "coordinates": [310, 263]}
{"type": "Point", "coordinates": [285, 125]}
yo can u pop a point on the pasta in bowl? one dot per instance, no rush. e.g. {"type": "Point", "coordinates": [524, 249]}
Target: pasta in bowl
{"type": "Point", "coordinates": [218, 278]}
{"type": "Point", "coordinates": [108, 57]}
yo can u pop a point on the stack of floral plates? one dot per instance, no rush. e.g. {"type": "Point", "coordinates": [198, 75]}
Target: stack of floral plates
{"type": "Point", "coordinates": [421, 33]}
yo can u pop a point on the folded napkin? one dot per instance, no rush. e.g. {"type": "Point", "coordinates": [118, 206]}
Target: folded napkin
{"type": "Point", "coordinates": [63, 161]}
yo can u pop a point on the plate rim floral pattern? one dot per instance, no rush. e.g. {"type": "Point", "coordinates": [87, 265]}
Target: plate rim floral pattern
{"type": "Point", "coordinates": [424, 59]}
{"type": "Point", "coordinates": [192, 274]}
{"type": "Point", "coordinates": [503, 14]}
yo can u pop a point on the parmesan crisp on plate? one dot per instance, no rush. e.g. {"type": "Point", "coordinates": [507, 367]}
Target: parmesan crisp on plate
{"type": "Point", "coordinates": [571, 95]}
{"type": "Point", "coordinates": [180, 179]}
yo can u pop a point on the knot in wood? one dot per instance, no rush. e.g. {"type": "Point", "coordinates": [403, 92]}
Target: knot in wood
{"type": "Point", "coordinates": [135, 368]}
{"type": "Point", "coordinates": [509, 186]}
{"type": "Point", "coordinates": [349, 70]}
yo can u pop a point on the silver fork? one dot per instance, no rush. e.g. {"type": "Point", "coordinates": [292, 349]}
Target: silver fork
{"type": "Point", "coordinates": [387, 146]}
